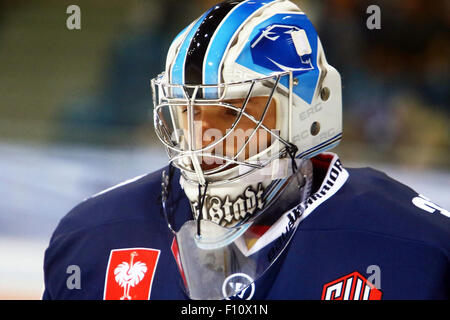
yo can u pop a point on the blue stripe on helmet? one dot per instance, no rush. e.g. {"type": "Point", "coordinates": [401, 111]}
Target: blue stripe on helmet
{"type": "Point", "coordinates": [224, 35]}
{"type": "Point", "coordinates": [177, 71]}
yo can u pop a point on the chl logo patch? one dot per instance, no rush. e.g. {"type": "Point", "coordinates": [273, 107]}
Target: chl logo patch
{"type": "Point", "coordinates": [351, 287]}
{"type": "Point", "coordinates": [241, 283]}
{"type": "Point", "coordinates": [130, 273]}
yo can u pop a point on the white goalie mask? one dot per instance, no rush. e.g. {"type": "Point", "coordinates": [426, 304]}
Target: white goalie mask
{"type": "Point", "coordinates": [246, 98]}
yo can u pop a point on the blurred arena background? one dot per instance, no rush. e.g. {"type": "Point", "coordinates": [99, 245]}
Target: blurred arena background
{"type": "Point", "coordinates": [75, 105]}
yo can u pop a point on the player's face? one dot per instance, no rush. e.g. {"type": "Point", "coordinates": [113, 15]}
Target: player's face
{"type": "Point", "coordinates": [212, 122]}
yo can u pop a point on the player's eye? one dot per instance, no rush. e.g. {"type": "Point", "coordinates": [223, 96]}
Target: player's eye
{"type": "Point", "coordinates": [231, 112]}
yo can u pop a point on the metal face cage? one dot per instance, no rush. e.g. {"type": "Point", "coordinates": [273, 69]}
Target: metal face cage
{"type": "Point", "coordinates": [179, 124]}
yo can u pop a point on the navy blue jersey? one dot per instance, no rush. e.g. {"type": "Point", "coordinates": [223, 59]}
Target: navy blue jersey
{"type": "Point", "coordinates": [363, 236]}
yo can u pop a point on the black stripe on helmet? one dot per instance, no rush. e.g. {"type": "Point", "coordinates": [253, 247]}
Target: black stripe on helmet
{"type": "Point", "coordinates": [193, 67]}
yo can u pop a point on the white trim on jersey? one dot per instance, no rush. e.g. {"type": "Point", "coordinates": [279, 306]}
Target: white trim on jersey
{"type": "Point", "coordinates": [335, 178]}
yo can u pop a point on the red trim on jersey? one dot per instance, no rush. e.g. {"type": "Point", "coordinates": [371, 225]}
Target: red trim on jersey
{"type": "Point", "coordinates": [322, 161]}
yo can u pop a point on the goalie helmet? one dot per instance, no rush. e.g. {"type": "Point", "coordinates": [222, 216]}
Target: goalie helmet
{"type": "Point", "coordinates": [239, 54]}
{"type": "Point", "coordinates": [243, 49]}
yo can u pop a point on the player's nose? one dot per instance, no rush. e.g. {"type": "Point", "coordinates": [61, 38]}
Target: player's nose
{"type": "Point", "coordinates": [204, 121]}
{"type": "Point", "coordinates": [206, 118]}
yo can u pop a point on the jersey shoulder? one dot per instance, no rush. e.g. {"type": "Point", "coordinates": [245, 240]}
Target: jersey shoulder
{"type": "Point", "coordinates": [371, 201]}
{"type": "Point", "coordinates": [125, 216]}
{"type": "Point", "coordinates": [136, 198]}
